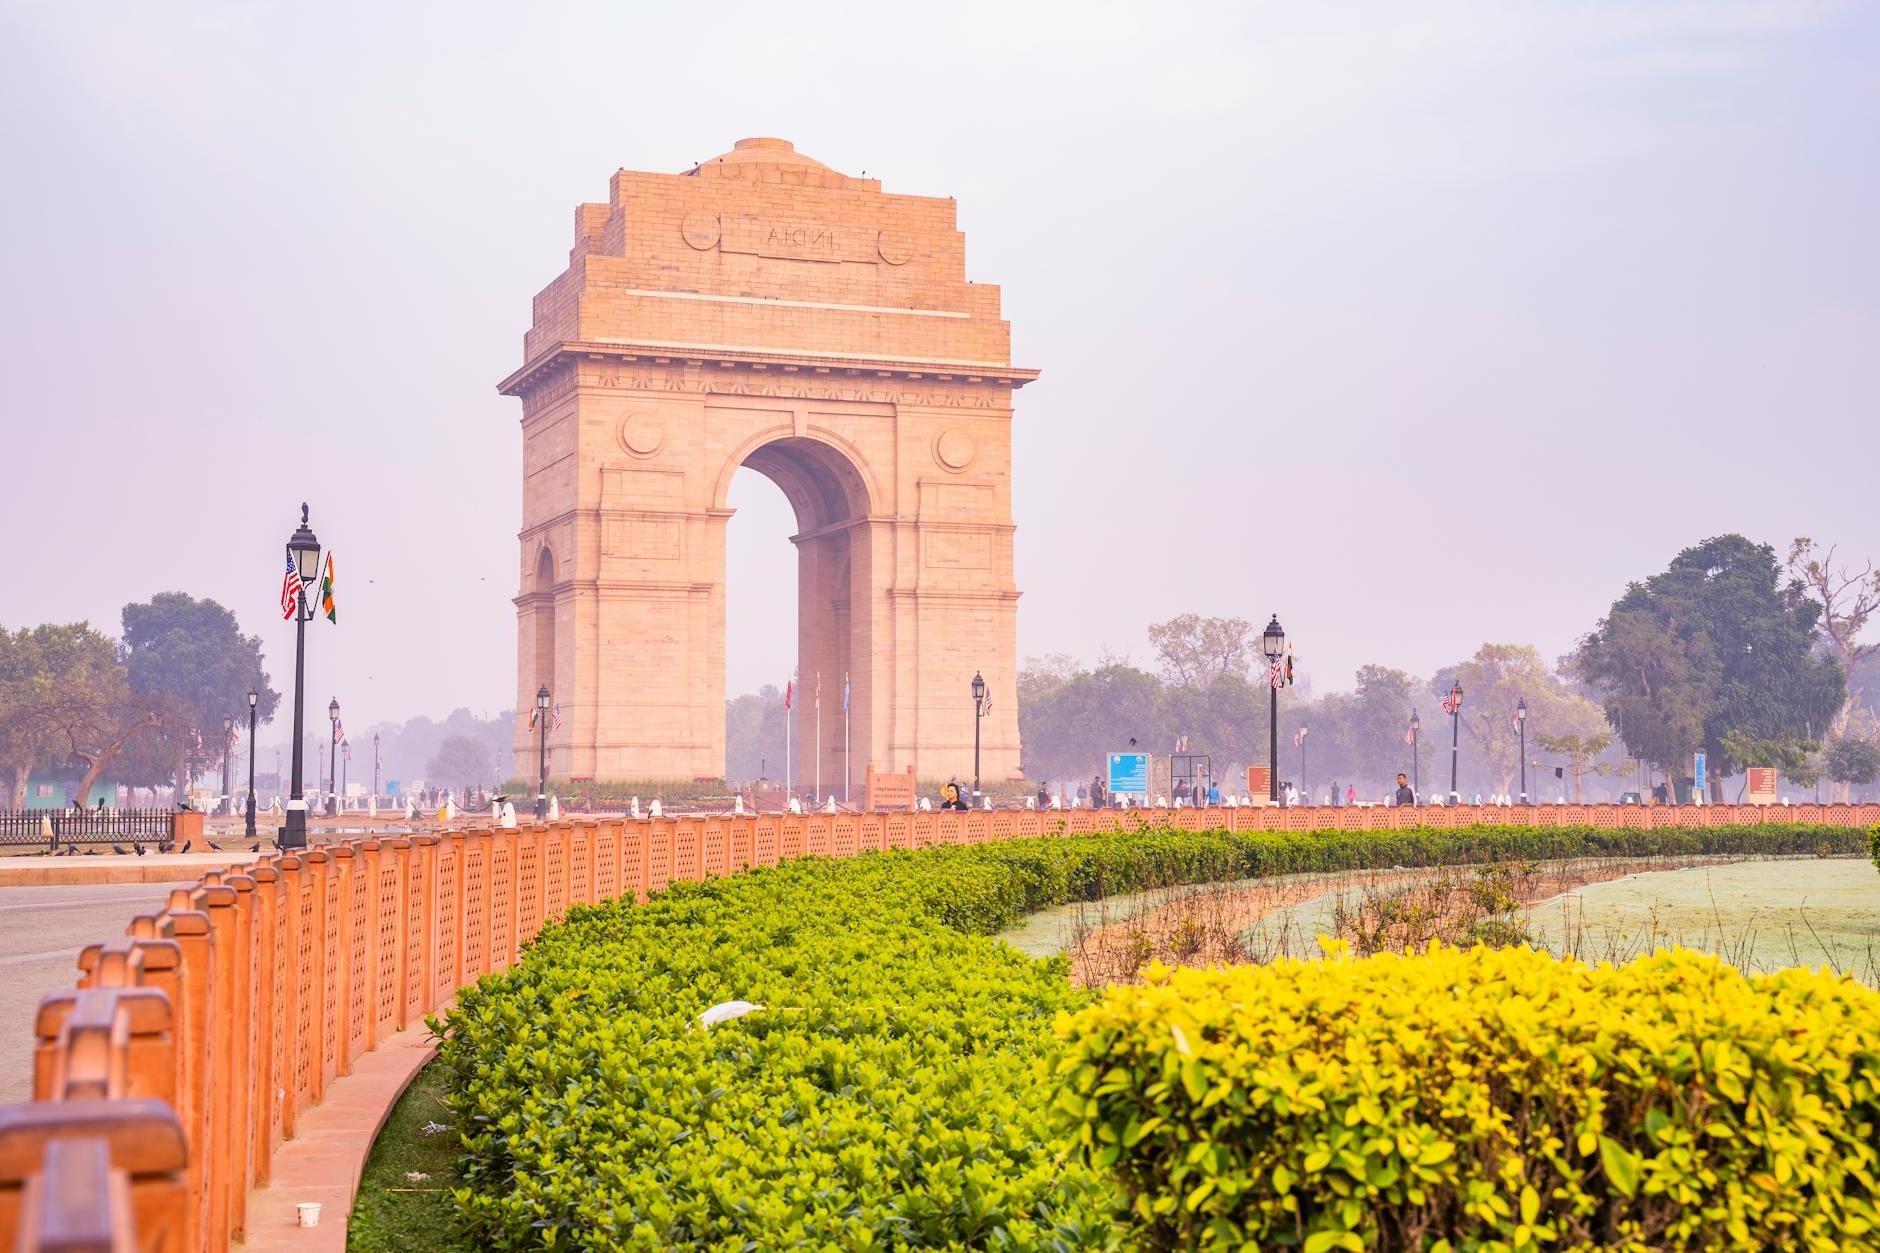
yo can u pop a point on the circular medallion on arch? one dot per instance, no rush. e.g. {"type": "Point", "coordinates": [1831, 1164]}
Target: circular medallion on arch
{"type": "Point", "coordinates": [953, 448]}
{"type": "Point", "coordinates": [700, 230]}
{"type": "Point", "coordinates": [642, 434]}
{"type": "Point", "coordinates": [895, 247]}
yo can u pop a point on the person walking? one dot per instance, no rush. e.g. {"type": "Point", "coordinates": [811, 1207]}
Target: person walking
{"type": "Point", "coordinates": [1351, 794]}
{"type": "Point", "coordinates": [1214, 794]}
{"type": "Point", "coordinates": [1406, 795]}
{"type": "Point", "coordinates": [1334, 796]}
{"type": "Point", "coordinates": [1044, 796]}
{"type": "Point", "coordinates": [1096, 792]}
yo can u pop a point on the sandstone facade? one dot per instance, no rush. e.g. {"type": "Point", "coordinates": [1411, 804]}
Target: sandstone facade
{"type": "Point", "coordinates": [763, 310]}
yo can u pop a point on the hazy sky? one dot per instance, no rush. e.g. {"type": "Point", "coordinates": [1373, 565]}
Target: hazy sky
{"type": "Point", "coordinates": [1419, 324]}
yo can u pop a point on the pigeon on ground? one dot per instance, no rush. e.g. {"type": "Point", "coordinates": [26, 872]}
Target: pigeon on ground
{"type": "Point", "coordinates": [255, 847]}
{"type": "Point", "coordinates": [118, 849]}
{"type": "Point", "coordinates": [138, 849]}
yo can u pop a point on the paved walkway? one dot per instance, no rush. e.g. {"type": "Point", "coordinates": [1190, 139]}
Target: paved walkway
{"type": "Point", "coordinates": [323, 1161]}
{"type": "Point", "coordinates": [42, 930]}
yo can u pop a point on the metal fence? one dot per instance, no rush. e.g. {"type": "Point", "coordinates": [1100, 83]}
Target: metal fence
{"type": "Point", "coordinates": [87, 826]}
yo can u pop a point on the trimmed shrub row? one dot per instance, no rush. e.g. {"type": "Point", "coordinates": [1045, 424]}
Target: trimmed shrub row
{"type": "Point", "coordinates": [891, 1091]}
{"type": "Point", "coordinates": [1487, 1099]}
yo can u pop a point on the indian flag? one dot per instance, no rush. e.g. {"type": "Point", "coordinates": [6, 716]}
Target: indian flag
{"type": "Point", "coordinates": [326, 592]}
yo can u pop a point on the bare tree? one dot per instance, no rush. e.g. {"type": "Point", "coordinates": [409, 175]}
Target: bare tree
{"type": "Point", "coordinates": [1195, 650]}
{"type": "Point", "coordinates": [1848, 598]}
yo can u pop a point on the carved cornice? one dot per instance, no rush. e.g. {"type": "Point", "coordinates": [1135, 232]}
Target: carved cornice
{"type": "Point", "coordinates": [707, 370]}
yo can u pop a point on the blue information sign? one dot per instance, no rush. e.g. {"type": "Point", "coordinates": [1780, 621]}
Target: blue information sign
{"type": "Point", "coordinates": [1697, 775]}
{"type": "Point", "coordinates": [1129, 773]}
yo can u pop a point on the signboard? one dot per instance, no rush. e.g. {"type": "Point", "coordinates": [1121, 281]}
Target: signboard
{"type": "Point", "coordinates": [1129, 774]}
{"type": "Point", "coordinates": [1762, 785]}
{"type": "Point", "coordinates": [1698, 787]}
{"type": "Point", "coordinates": [1260, 784]}
{"type": "Point", "coordinates": [888, 791]}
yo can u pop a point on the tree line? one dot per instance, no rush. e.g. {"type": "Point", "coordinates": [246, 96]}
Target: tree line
{"type": "Point", "coordinates": [144, 708]}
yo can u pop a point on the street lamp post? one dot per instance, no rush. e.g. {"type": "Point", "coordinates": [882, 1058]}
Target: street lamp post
{"type": "Point", "coordinates": [1416, 755]}
{"type": "Point", "coordinates": [1520, 722]}
{"type": "Point", "coordinates": [304, 551]}
{"type": "Point", "coordinates": [227, 804]}
{"type": "Point", "coordinates": [345, 765]}
{"type": "Point", "coordinates": [1455, 737]}
{"type": "Point", "coordinates": [1273, 644]}
{"type": "Point", "coordinates": [541, 730]}
{"type": "Point", "coordinates": [375, 763]}
{"type": "Point", "coordinates": [979, 711]}
{"type": "Point", "coordinates": [332, 756]}
{"type": "Point", "coordinates": [254, 698]}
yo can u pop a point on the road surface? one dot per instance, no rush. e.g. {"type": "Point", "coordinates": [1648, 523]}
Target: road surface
{"type": "Point", "coordinates": [42, 931]}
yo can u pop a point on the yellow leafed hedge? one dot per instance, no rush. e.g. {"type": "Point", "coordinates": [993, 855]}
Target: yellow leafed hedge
{"type": "Point", "coordinates": [1488, 1099]}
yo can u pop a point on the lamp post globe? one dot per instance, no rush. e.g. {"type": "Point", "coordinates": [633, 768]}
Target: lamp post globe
{"type": "Point", "coordinates": [332, 756]}
{"type": "Point", "coordinates": [254, 699]}
{"type": "Point", "coordinates": [1520, 722]}
{"type": "Point", "coordinates": [1273, 645]}
{"type": "Point", "coordinates": [303, 549]}
{"type": "Point", "coordinates": [979, 711]}
{"type": "Point", "coordinates": [1455, 736]}
{"type": "Point", "coordinates": [541, 730]}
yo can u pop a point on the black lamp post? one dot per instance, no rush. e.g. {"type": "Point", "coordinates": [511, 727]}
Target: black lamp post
{"type": "Point", "coordinates": [345, 766]}
{"type": "Point", "coordinates": [227, 804]}
{"type": "Point", "coordinates": [254, 698]}
{"type": "Point", "coordinates": [332, 756]}
{"type": "Point", "coordinates": [1455, 736]}
{"type": "Point", "coordinates": [375, 763]}
{"type": "Point", "coordinates": [979, 711]}
{"type": "Point", "coordinates": [304, 551]}
{"type": "Point", "coordinates": [1520, 722]}
{"type": "Point", "coordinates": [541, 730]}
{"type": "Point", "coordinates": [1273, 644]}
{"type": "Point", "coordinates": [1416, 755]}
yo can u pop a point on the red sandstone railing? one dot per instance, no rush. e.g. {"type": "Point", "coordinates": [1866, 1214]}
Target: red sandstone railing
{"type": "Point", "coordinates": [167, 1079]}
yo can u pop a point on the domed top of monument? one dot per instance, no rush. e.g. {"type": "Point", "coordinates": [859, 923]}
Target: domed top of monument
{"type": "Point", "coordinates": [769, 160]}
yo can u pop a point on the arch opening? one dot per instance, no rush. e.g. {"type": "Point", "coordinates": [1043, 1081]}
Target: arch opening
{"type": "Point", "coordinates": [824, 493]}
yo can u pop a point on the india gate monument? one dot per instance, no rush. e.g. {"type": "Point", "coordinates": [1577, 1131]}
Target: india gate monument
{"type": "Point", "coordinates": [763, 310]}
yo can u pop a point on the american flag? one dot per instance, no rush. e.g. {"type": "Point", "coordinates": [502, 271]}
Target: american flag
{"type": "Point", "coordinates": [554, 717]}
{"type": "Point", "coordinates": [1409, 735]}
{"type": "Point", "coordinates": [339, 732]}
{"type": "Point", "coordinates": [1448, 703]}
{"type": "Point", "coordinates": [290, 590]}
{"type": "Point", "coordinates": [1276, 675]}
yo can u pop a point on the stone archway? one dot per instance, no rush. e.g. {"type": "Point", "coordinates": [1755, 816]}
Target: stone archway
{"type": "Point", "coordinates": [762, 310]}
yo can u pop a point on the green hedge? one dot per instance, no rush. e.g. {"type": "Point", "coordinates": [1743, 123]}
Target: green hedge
{"type": "Point", "coordinates": [1488, 1099]}
{"type": "Point", "coordinates": [891, 1093]}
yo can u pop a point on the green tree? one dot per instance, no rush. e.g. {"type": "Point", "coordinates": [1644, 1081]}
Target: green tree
{"type": "Point", "coordinates": [65, 701]}
{"type": "Point", "coordinates": [1716, 652]}
{"type": "Point", "coordinates": [1849, 761]}
{"type": "Point", "coordinates": [1084, 715]}
{"type": "Point", "coordinates": [189, 659]}
{"type": "Point", "coordinates": [462, 760]}
{"type": "Point", "coordinates": [754, 730]}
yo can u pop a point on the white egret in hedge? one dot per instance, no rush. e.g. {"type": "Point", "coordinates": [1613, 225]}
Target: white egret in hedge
{"type": "Point", "coordinates": [725, 1011]}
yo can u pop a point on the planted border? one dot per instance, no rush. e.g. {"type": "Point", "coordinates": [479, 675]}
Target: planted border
{"type": "Point", "coordinates": [889, 1092]}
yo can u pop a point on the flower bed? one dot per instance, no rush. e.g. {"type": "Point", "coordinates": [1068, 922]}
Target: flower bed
{"type": "Point", "coordinates": [890, 1092]}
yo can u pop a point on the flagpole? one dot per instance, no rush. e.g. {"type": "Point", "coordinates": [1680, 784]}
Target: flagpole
{"type": "Point", "coordinates": [816, 797]}
{"type": "Point", "coordinates": [789, 716]}
{"type": "Point", "coordinates": [847, 771]}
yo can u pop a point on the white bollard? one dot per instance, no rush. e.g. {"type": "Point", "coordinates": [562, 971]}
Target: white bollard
{"type": "Point", "coordinates": [554, 809]}
{"type": "Point", "coordinates": [737, 806]}
{"type": "Point", "coordinates": [830, 806]}
{"type": "Point", "coordinates": [655, 809]}
{"type": "Point", "coordinates": [634, 806]}
{"type": "Point", "coordinates": [926, 805]}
